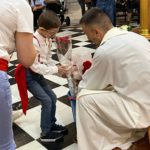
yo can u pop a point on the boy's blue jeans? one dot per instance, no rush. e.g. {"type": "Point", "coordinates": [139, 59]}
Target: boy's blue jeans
{"type": "Point", "coordinates": [108, 6]}
{"type": "Point", "coordinates": [37, 85]}
{"type": "Point", "coordinates": [73, 105]}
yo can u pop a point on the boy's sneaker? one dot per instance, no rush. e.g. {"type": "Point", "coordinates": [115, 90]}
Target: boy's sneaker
{"type": "Point", "coordinates": [75, 139]}
{"type": "Point", "coordinates": [59, 129]}
{"type": "Point", "coordinates": [51, 137]}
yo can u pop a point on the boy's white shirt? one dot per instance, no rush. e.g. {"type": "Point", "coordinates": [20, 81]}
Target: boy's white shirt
{"type": "Point", "coordinates": [43, 63]}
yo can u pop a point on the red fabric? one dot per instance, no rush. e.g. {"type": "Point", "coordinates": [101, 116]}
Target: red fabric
{"type": "Point", "coordinates": [3, 64]}
{"type": "Point", "coordinates": [70, 98]}
{"type": "Point", "coordinates": [86, 66]}
{"type": "Point", "coordinates": [20, 77]}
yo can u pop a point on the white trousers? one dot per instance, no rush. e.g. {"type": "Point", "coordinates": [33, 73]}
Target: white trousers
{"type": "Point", "coordinates": [106, 120]}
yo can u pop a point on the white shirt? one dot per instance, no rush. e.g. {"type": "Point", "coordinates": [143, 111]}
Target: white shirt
{"type": "Point", "coordinates": [43, 63]}
{"type": "Point", "coordinates": [37, 2]}
{"type": "Point", "coordinates": [15, 15]}
{"type": "Point", "coordinates": [123, 61]}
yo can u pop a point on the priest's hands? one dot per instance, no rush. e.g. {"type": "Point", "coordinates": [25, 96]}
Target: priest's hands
{"type": "Point", "coordinates": [63, 70]}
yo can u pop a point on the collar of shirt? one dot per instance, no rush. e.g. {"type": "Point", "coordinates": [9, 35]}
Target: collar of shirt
{"type": "Point", "coordinates": [47, 41]}
{"type": "Point", "coordinates": [112, 33]}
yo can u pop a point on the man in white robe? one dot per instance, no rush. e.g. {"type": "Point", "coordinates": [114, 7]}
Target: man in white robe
{"type": "Point", "coordinates": [107, 119]}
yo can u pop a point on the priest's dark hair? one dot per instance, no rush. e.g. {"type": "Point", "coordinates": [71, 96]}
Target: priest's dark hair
{"type": "Point", "coordinates": [95, 16]}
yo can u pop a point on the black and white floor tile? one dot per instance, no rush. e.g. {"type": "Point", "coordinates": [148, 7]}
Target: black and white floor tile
{"type": "Point", "coordinates": [27, 128]}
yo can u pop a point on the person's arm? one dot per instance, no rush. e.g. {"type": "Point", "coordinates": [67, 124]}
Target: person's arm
{"type": "Point", "coordinates": [24, 33]}
{"type": "Point", "coordinates": [25, 50]}
{"type": "Point", "coordinates": [38, 7]}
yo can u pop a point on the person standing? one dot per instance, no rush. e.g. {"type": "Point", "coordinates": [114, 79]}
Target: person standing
{"type": "Point", "coordinates": [49, 24]}
{"type": "Point", "coordinates": [109, 7]}
{"type": "Point", "coordinates": [113, 102]}
{"type": "Point", "coordinates": [133, 5]}
{"type": "Point", "coordinates": [37, 8]}
{"type": "Point", "coordinates": [16, 28]}
{"type": "Point", "coordinates": [83, 4]}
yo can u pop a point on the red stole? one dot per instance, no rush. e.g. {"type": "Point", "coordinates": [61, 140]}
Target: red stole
{"type": "Point", "coordinates": [20, 77]}
{"type": "Point", "coordinates": [3, 64]}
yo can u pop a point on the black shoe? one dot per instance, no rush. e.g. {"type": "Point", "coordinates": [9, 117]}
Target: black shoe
{"type": "Point", "coordinates": [75, 136]}
{"type": "Point", "coordinates": [51, 137]}
{"type": "Point", "coordinates": [59, 129]}
{"type": "Point", "coordinates": [75, 139]}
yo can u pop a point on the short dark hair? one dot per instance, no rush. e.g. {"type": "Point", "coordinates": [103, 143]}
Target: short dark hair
{"type": "Point", "coordinates": [96, 16]}
{"type": "Point", "coordinates": [49, 19]}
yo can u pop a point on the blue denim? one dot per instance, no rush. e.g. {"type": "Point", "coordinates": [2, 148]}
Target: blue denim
{"type": "Point", "coordinates": [109, 7]}
{"type": "Point", "coordinates": [73, 105]}
{"type": "Point", "coordinates": [37, 85]}
{"type": "Point", "coordinates": [94, 3]}
{"type": "Point", "coordinates": [6, 132]}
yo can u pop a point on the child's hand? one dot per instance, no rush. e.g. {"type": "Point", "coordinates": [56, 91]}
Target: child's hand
{"type": "Point", "coordinates": [62, 70]}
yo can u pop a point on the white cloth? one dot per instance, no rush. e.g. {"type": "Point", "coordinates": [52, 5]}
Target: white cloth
{"type": "Point", "coordinates": [18, 20]}
{"type": "Point", "coordinates": [79, 58]}
{"type": "Point", "coordinates": [125, 65]}
{"type": "Point", "coordinates": [43, 64]}
{"type": "Point", "coordinates": [105, 120]}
